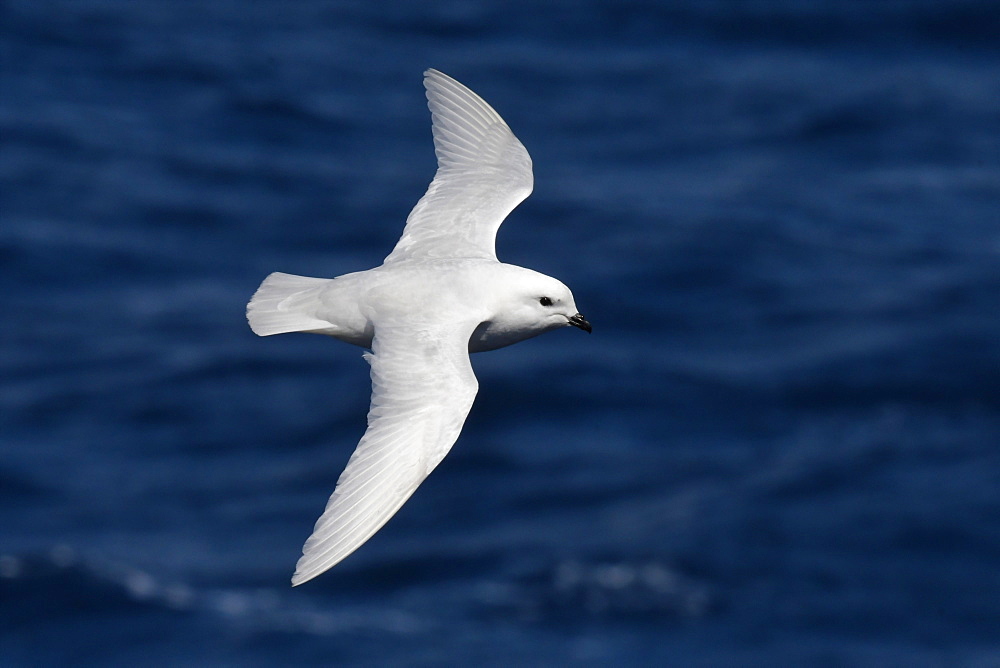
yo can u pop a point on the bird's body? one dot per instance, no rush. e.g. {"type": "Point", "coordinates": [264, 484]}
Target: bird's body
{"type": "Point", "coordinates": [343, 307]}
{"type": "Point", "coordinates": [438, 296]}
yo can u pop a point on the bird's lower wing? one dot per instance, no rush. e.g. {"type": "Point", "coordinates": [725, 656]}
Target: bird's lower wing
{"type": "Point", "coordinates": [422, 389]}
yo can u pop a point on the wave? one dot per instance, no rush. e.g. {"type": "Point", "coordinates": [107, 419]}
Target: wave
{"type": "Point", "coordinates": [60, 584]}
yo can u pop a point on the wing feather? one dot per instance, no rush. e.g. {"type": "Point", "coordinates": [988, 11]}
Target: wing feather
{"type": "Point", "coordinates": [483, 173]}
{"type": "Point", "coordinates": [422, 389]}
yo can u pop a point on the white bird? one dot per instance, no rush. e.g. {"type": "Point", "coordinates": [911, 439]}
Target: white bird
{"type": "Point", "coordinates": [439, 295]}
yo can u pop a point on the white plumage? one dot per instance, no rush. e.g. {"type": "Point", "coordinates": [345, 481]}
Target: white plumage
{"type": "Point", "coordinates": [439, 295]}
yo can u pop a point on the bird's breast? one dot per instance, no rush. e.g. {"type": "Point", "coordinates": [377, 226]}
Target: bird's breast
{"type": "Point", "coordinates": [494, 334]}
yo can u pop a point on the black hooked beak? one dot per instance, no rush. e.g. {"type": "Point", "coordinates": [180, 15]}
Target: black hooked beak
{"type": "Point", "coordinates": [579, 321]}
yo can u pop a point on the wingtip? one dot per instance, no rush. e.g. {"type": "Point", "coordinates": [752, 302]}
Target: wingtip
{"type": "Point", "coordinates": [299, 577]}
{"type": "Point", "coordinates": [307, 569]}
{"type": "Point", "coordinates": [432, 75]}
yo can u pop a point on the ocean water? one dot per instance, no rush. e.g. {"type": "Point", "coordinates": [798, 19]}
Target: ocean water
{"type": "Point", "coordinates": [780, 446]}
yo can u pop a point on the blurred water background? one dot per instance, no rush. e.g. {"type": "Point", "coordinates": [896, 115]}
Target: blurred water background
{"type": "Point", "coordinates": [781, 445]}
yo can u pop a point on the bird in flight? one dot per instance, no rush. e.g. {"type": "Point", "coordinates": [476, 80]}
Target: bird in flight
{"type": "Point", "coordinates": [438, 296]}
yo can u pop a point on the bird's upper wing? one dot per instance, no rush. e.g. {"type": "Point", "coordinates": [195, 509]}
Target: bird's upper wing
{"type": "Point", "coordinates": [422, 389]}
{"type": "Point", "coordinates": [483, 173]}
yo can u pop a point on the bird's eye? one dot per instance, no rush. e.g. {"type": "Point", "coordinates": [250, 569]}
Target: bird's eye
{"type": "Point", "coordinates": [545, 301]}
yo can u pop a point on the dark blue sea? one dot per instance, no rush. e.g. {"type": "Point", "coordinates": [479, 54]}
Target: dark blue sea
{"type": "Point", "coordinates": [780, 446]}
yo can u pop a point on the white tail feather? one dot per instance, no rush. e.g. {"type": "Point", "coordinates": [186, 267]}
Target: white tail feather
{"type": "Point", "coordinates": [281, 304]}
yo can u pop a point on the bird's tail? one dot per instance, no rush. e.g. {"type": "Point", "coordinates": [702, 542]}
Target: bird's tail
{"type": "Point", "coordinates": [279, 305]}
